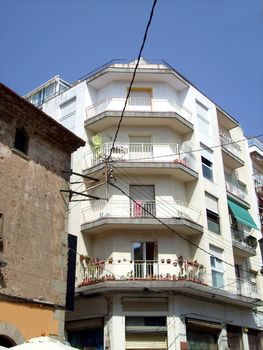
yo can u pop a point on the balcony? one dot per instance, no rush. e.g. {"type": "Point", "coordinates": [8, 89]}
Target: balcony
{"type": "Point", "coordinates": [147, 158]}
{"type": "Point", "coordinates": [247, 288]}
{"type": "Point", "coordinates": [126, 214]}
{"type": "Point", "coordinates": [244, 245]}
{"type": "Point", "coordinates": [141, 270]}
{"type": "Point", "coordinates": [231, 151]}
{"type": "Point", "coordinates": [139, 112]}
{"type": "Point", "coordinates": [236, 187]}
{"type": "Point", "coordinates": [258, 181]}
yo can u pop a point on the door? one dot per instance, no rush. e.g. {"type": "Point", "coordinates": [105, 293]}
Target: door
{"type": "Point", "coordinates": [140, 147]}
{"type": "Point", "coordinates": [144, 259]}
{"type": "Point", "coordinates": [143, 203]}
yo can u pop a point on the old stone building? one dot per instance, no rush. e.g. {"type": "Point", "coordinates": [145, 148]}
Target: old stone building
{"type": "Point", "coordinates": [35, 151]}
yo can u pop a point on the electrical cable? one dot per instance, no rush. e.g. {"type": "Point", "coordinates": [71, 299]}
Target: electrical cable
{"type": "Point", "coordinates": [195, 150]}
{"type": "Point", "coordinates": [163, 210]}
{"type": "Point", "coordinates": [134, 74]}
{"type": "Point", "coordinates": [172, 230]}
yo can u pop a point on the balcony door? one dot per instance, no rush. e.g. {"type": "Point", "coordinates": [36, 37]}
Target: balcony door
{"type": "Point", "coordinates": [140, 99]}
{"type": "Point", "coordinates": [144, 259]}
{"type": "Point", "coordinates": [143, 203]}
{"type": "Point", "coordinates": [140, 147]}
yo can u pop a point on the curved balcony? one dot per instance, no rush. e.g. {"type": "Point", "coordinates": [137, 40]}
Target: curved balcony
{"type": "Point", "coordinates": [126, 214]}
{"type": "Point", "coordinates": [139, 112]}
{"type": "Point", "coordinates": [141, 270]}
{"type": "Point", "coordinates": [145, 158]}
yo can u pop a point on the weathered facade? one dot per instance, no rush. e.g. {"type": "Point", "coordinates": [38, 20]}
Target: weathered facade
{"type": "Point", "coordinates": [34, 152]}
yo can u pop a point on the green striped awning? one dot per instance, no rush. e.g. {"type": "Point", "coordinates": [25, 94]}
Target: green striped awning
{"type": "Point", "coordinates": [241, 214]}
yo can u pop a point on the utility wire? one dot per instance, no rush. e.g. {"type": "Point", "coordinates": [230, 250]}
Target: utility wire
{"type": "Point", "coordinates": [161, 205]}
{"type": "Point", "coordinates": [198, 149]}
{"type": "Point", "coordinates": [133, 76]}
{"type": "Point", "coordinates": [172, 230]}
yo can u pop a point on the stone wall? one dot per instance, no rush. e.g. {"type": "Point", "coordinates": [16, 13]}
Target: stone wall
{"type": "Point", "coordinates": [34, 235]}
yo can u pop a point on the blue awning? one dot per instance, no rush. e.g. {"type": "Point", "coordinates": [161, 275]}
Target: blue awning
{"type": "Point", "coordinates": [241, 214]}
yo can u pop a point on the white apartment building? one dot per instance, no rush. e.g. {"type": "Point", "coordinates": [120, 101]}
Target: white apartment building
{"type": "Point", "coordinates": [168, 254]}
{"type": "Point", "coordinates": [256, 155]}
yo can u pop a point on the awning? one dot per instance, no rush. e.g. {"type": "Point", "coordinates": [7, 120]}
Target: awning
{"type": "Point", "coordinates": [241, 214]}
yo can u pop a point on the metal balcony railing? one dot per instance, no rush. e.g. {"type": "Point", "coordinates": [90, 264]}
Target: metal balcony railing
{"type": "Point", "coordinates": [247, 288]}
{"type": "Point", "coordinates": [235, 186]}
{"type": "Point", "coordinates": [143, 209]}
{"type": "Point", "coordinates": [228, 143]}
{"type": "Point", "coordinates": [164, 269]}
{"type": "Point", "coordinates": [138, 104]}
{"type": "Point", "coordinates": [140, 209]}
{"type": "Point", "coordinates": [142, 152]}
{"type": "Point", "coordinates": [243, 239]}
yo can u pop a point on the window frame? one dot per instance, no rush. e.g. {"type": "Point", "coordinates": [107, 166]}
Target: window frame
{"type": "Point", "coordinates": [216, 259]}
{"type": "Point", "coordinates": [212, 214]}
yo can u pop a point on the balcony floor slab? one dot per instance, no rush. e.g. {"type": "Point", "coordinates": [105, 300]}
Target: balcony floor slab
{"type": "Point", "coordinates": [182, 226]}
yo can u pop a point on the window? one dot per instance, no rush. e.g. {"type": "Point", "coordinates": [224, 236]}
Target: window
{"type": "Point", "coordinates": [68, 114]}
{"type": "Point", "coordinates": [202, 119]}
{"type": "Point", "coordinates": [207, 162]}
{"type": "Point", "coordinates": [217, 267]}
{"type": "Point", "coordinates": [213, 222]}
{"type": "Point", "coordinates": [21, 140]}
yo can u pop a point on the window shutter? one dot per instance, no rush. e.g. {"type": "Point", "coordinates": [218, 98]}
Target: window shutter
{"type": "Point", "coordinates": [211, 203]}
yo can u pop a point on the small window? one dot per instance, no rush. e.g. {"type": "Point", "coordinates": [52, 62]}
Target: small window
{"type": "Point", "coordinates": [207, 162]}
{"type": "Point", "coordinates": [213, 220]}
{"type": "Point", "coordinates": [207, 168]}
{"type": "Point", "coordinates": [21, 140]}
{"type": "Point", "coordinates": [217, 267]}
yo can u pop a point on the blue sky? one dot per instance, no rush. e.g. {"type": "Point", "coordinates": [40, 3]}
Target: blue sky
{"type": "Point", "coordinates": [216, 44]}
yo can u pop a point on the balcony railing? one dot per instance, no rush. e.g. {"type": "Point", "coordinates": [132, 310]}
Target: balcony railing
{"type": "Point", "coordinates": [247, 288]}
{"type": "Point", "coordinates": [142, 152]}
{"type": "Point", "coordinates": [140, 209]}
{"type": "Point", "coordinates": [139, 105]}
{"type": "Point", "coordinates": [162, 270]}
{"type": "Point", "coordinates": [228, 143]}
{"type": "Point", "coordinates": [243, 239]}
{"type": "Point", "coordinates": [235, 186]}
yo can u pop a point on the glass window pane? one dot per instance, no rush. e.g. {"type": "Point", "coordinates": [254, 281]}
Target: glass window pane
{"type": "Point", "coordinates": [138, 250]}
{"type": "Point", "coordinates": [217, 279]}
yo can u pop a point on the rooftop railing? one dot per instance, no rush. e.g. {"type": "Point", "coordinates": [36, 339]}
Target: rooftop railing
{"type": "Point", "coordinates": [138, 105]}
{"type": "Point", "coordinates": [142, 152]}
{"type": "Point", "coordinates": [140, 209]}
{"type": "Point", "coordinates": [256, 142]}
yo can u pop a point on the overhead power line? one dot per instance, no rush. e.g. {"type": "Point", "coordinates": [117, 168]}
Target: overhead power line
{"type": "Point", "coordinates": [172, 230]}
{"type": "Point", "coordinates": [133, 76]}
